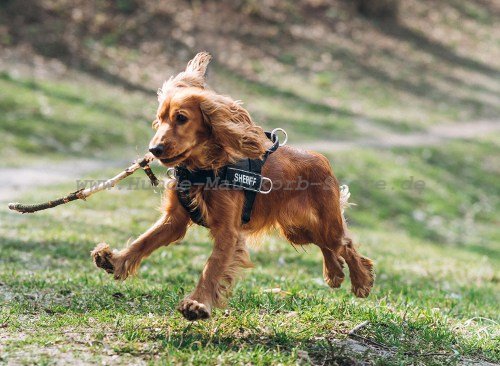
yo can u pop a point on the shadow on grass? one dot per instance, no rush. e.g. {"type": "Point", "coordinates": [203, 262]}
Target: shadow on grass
{"type": "Point", "coordinates": [33, 85]}
{"type": "Point", "coordinates": [357, 68]}
{"type": "Point", "coordinates": [316, 348]}
{"type": "Point", "coordinates": [490, 252]}
{"type": "Point", "coordinates": [41, 133]}
{"type": "Point", "coordinates": [421, 88]}
{"type": "Point", "coordinates": [346, 117]}
{"type": "Point", "coordinates": [53, 248]}
{"type": "Point", "coordinates": [55, 39]}
{"type": "Point", "coordinates": [481, 10]}
{"type": "Point", "coordinates": [435, 48]}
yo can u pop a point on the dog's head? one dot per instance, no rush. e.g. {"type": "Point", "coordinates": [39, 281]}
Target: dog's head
{"type": "Point", "coordinates": [199, 127]}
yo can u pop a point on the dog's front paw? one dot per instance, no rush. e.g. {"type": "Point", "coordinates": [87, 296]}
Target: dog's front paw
{"type": "Point", "coordinates": [194, 310]}
{"type": "Point", "coordinates": [102, 256]}
{"type": "Point", "coordinates": [118, 263]}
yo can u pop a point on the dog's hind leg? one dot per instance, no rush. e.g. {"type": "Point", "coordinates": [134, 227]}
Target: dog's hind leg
{"type": "Point", "coordinates": [360, 269]}
{"type": "Point", "coordinates": [169, 228]}
{"type": "Point", "coordinates": [333, 264]}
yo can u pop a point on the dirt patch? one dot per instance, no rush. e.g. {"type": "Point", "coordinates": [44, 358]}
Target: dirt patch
{"type": "Point", "coordinates": [381, 138]}
{"type": "Point", "coordinates": [15, 180]}
{"type": "Point", "coordinates": [61, 354]}
{"type": "Point", "coordinates": [364, 349]}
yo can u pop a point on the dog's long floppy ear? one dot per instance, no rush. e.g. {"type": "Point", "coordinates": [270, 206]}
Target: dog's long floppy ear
{"type": "Point", "coordinates": [199, 64]}
{"type": "Point", "coordinates": [232, 126]}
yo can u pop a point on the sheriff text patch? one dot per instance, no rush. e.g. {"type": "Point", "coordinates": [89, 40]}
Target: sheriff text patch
{"type": "Point", "coordinates": [243, 179]}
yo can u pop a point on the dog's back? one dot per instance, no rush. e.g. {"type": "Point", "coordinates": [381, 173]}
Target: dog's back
{"type": "Point", "coordinates": [305, 196]}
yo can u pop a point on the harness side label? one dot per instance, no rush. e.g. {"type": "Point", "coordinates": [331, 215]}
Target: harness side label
{"type": "Point", "coordinates": [243, 179]}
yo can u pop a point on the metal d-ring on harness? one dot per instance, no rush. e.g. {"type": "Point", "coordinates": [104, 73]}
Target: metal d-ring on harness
{"type": "Point", "coordinates": [244, 174]}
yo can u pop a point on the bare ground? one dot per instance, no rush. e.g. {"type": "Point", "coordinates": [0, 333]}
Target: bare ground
{"type": "Point", "coordinates": [381, 138]}
{"type": "Point", "coordinates": [15, 180]}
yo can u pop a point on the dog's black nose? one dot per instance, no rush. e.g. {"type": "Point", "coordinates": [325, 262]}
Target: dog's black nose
{"type": "Point", "coordinates": [157, 150]}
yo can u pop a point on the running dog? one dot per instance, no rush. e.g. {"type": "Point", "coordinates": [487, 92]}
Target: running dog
{"type": "Point", "coordinates": [201, 130]}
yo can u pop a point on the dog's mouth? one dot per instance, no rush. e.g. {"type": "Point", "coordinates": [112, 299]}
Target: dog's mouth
{"type": "Point", "coordinates": [174, 158]}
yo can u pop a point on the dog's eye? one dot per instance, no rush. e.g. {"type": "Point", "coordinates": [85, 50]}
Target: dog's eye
{"type": "Point", "coordinates": [155, 124]}
{"type": "Point", "coordinates": [181, 119]}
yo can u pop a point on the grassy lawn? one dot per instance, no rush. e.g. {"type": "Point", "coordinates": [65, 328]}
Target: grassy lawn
{"type": "Point", "coordinates": [435, 300]}
{"type": "Point", "coordinates": [57, 119]}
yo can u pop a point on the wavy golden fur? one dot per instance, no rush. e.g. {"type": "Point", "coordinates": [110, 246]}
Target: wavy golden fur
{"type": "Point", "coordinates": [201, 129]}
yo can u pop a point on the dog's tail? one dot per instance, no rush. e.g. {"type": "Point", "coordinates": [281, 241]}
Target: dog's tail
{"type": "Point", "coordinates": [344, 202]}
{"type": "Point", "coordinates": [344, 198]}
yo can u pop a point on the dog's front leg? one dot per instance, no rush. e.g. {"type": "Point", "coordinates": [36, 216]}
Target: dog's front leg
{"type": "Point", "coordinates": [168, 229]}
{"type": "Point", "coordinates": [229, 255]}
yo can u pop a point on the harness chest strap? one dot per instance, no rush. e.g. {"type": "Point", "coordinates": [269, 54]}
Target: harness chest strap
{"type": "Point", "coordinates": [244, 174]}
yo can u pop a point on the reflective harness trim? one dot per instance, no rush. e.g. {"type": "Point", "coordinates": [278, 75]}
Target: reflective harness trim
{"type": "Point", "coordinates": [244, 174]}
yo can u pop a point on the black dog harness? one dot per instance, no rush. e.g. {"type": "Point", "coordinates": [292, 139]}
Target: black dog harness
{"type": "Point", "coordinates": [244, 174]}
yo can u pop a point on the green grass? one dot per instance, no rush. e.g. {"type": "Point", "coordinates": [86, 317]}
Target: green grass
{"type": "Point", "coordinates": [54, 118]}
{"type": "Point", "coordinates": [434, 302]}
{"type": "Point", "coordinates": [445, 194]}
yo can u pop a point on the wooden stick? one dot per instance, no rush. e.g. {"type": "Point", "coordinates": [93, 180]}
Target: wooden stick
{"type": "Point", "coordinates": [82, 194]}
{"type": "Point", "coordinates": [358, 327]}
